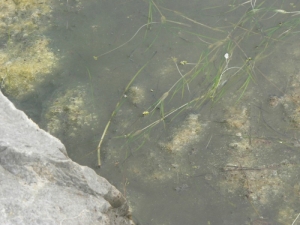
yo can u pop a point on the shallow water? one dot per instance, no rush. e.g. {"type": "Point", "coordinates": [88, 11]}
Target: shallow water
{"type": "Point", "coordinates": [227, 148]}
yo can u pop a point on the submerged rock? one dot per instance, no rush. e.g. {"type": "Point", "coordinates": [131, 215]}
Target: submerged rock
{"type": "Point", "coordinates": [41, 185]}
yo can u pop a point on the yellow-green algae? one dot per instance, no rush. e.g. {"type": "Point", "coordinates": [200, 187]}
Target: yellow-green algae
{"type": "Point", "coordinates": [26, 58]}
{"type": "Point", "coordinates": [187, 134]}
{"type": "Point", "coordinates": [166, 163]}
{"type": "Point", "coordinates": [67, 112]}
{"type": "Point", "coordinates": [246, 170]}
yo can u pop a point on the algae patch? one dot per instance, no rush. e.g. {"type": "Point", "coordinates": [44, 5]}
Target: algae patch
{"type": "Point", "coordinates": [67, 114]}
{"type": "Point", "coordinates": [20, 75]}
{"type": "Point", "coordinates": [169, 158]}
{"type": "Point", "coordinates": [136, 95]}
{"type": "Point", "coordinates": [187, 134]}
{"type": "Point", "coordinates": [26, 58]}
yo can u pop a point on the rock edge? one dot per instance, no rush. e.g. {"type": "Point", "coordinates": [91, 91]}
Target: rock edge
{"type": "Point", "coordinates": [40, 184]}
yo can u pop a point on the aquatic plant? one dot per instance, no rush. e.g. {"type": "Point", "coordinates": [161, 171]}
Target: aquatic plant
{"type": "Point", "coordinates": [223, 63]}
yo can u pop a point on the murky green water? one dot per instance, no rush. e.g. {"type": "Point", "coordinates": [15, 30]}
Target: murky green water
{"type": "Point", "coordinates": [207, 132]}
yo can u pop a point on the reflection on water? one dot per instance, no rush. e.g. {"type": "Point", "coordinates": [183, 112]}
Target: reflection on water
{"type": "Point", "coordinates": [202, 106]}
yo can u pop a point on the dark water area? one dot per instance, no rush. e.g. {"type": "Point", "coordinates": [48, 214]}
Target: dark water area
{"type": "Point", "coordinates": [198, 103]}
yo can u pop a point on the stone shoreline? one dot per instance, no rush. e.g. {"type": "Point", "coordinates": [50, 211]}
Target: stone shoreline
{"type": "Point", "coordinates": [40, 184]}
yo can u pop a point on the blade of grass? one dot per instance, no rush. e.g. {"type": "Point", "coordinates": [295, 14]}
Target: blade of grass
{"type": "Point", "coordinates": [115, 111]}
{"type": "Point", "coordinates": [120, 46]}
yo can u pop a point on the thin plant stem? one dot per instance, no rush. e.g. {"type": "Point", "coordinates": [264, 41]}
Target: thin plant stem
{"type": "Point", "coordinates": [165, 95]}
{"type": "Point", "coordinates": [296, 219]}
{"type": "Point", "coordinates": [164, 117]}
{"type": "Point", "coordinates": [114, 113]}
{"type": "Point", "coordinates": [187, 84]}
{"type": "Point", "coordinates": [146, 24]}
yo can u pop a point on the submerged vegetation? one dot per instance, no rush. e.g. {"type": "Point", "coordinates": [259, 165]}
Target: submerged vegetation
{"type": "Point", "coordinates": [207, 100]}
{"type": "Point", "coordinates": [225, 64]}
{"type": "Point", "coordinates": [216, 81]}
{"type": "Point", "coordinates": [25, 58]}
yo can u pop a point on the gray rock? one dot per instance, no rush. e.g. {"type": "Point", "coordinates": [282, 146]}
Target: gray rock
{"type": "Point", "coordinates": [39, 184]}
